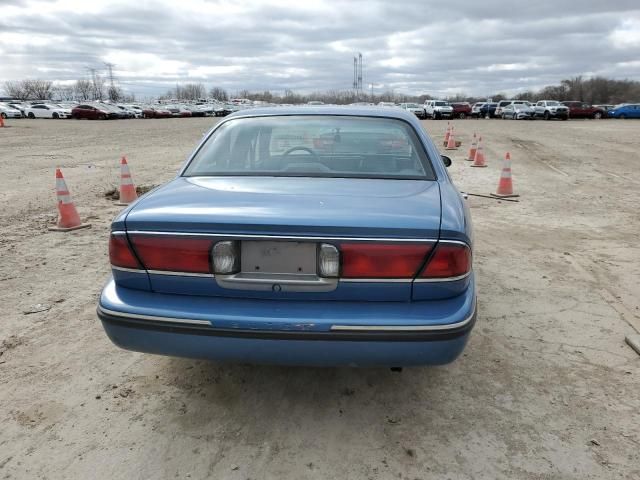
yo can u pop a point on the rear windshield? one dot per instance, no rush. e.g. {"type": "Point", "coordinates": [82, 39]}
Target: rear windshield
{"type": "Point", "coordinates": [313, 146]}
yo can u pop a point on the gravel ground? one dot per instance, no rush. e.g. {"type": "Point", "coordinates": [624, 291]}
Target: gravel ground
{"type": "Point", "coordinates": [547, 388]}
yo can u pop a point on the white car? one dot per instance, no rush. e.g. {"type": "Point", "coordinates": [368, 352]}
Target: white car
{"type": "Point", "coordinates": [7, 111]}
{"type": "Point", "coordinates": [47, 110]}
{"type": "Point", "coordinates": [414, 108]}
{"type": "Point", "coordinates": [437, 109]}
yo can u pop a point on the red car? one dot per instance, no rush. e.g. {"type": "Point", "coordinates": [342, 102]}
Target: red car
{"type": "Point", "coordinates": [92, 112]}
{"type": "Point", "coordinates": [584, 110]}
{"type": "Point", "coordinates": [156, 112]}
{"type": "Point", "coordinates": [461, 109]}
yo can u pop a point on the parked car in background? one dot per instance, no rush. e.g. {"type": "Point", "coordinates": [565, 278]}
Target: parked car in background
{"type": "Point", "coordinates": [414, 108]}
{"type": "Point", "coordinates": [302, 236]}
{"type": "Point", "coordinates": [47, 110]}
{"type": "Point", "coordinates": [386, 104]}
{"type": "Point", "coordinates": [606, 108]}
{"type": "Point", "coordinates": [625, 110]}
{"type": "Point", "coordinates": [6, 111]}
{"type": "Point", "coordinates": [132, 110]}
{"type": "Point", "coordinates": [19, 106]}
{"type": "Point", "coordinates": [549, 109]}
{"type": "Point", "coordinates": [518, 111]}
{"type": "Point", "coordinates": [155, 111]}
{"type": "Point", "coordinates": [437, 109]}
{"type": "Point", "coordinates": [92, 111]}
{"type": "Point", "coordinates": [195, 110]}
{"type": "Point", "coordinates": [461, 109]}
{"type": "Point", "coordinates": [488, 110]}
{"type": "Point", "coordinates": [584, 110]}
{"type": "Point", "coordinates": [475, 109]}
{"type": "Point", "coordinates": [178, 110]}
{"type": "Point", "coordinates": [500, 106]}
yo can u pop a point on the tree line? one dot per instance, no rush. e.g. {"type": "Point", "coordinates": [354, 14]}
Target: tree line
{"type": "Point", "coordinates": [595, 90]}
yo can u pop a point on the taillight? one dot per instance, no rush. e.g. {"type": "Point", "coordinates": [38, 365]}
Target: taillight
{"type": "Point", "coordinates": [362, 260]}
{"type": "Point", "coordinates": [120, 254]}
{"type": "Point", "coordinates": [226, 257]}
{"type": "Point", "coordinates": [449, 260]}
{"type": "Point", "coordinates": [173, 253]}
{"type": "Point", "coordinates": [328, 261]}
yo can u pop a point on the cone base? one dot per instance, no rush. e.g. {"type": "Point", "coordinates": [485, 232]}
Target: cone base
{"type": "Point", "coordinates": [478, 166]}
{"type": "Point", "coordinates": [497, 195]}
{"type": "Point", "coordinates": [55, 228]}
{"type": "Point", "coordinates": [121, 204]}
{"type": "Point", "coordinates": [469, 159]}
{"type": "Point", "coordinates": [458, 144]}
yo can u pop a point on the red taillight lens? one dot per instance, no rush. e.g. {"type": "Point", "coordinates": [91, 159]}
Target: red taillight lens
{"type": "Point", "coordinates": [174, 254]}
{"type": "Point", "coordinates": [120, 254]}
{"type": "Point", "coordinates": [449, 260]}
{"type": "Point", "coordinates": [361, 260]}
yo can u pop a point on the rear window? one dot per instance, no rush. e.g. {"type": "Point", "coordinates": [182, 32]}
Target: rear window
{"type": "Point", "coordinates": [313, 146]}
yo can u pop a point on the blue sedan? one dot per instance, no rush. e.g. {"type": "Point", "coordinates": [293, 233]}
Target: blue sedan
{"type": "Point", "coordinates": [627, 110]}
{"type": "Point", "coordinates": [317, 236]}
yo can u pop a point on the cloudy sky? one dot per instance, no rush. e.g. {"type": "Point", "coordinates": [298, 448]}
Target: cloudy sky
{"type": "Point", "coordinates": [419, 46]}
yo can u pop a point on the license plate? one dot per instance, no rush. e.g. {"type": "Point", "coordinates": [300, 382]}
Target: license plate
{"type": "Point", "coordinates": [278, 257]}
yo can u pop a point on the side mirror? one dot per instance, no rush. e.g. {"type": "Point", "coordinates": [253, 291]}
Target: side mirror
{"type": "Point", "coordinates": [446, 160]}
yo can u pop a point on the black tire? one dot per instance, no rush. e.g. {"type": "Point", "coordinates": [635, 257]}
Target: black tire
{"type": "Point", "coordinates": [623, 116]}
{"type": "Point", "coordinates": [597, 115]}
{"type": "Point", "coordinates": [55, 116]}
{"type": "Point", "coordinates": [547, 116]}
{"type": "Point", "coordinates": [103, 117]}
{"type": "Point", "coordinates": [437, 116]}
{"type": "Point", "coordinates": [31, 115]}
{"type": "Point", "coordinates": [462, 116]}
{"type": "Point", "coordinates": [564, 118]}
{"type": "Point", "coordinates": [3, 115]}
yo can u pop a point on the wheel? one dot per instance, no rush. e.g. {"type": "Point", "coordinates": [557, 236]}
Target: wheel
{"type": "Point", "coordinates": [547, 116]}
{"type": "Point", "coordinates": [461, 116]}
{"type": "Point", "coordinates": [31, 115]}
{"type": "Point", "coordinates": [103, 117]}
{"type": "Point", "coordinates": [437, 116]}
{"type": "Point", "coordinates": [597, 115]}
{"type": "Point", "coordinates": [55, 115]}
{"type": "Point", "coordinates": [623, 116]}
{"type": "Point", "coordinates": [503, 116]}
{"type": "Point", "coordinates": [564, 118]}
{"type": "Point", "coordinates": [3, 115]}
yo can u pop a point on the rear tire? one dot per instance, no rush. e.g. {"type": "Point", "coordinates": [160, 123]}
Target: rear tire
{"type": "Point", "coordinates": [597, 115]}
{"type": "Point", "coordinates": [55, 116]}
{"type": "Point", "coordinates": [462, 116]}
{"type": "Point", "coordinates": [31, 115]}
{"type": "Point", "coordinates": [547, 116]}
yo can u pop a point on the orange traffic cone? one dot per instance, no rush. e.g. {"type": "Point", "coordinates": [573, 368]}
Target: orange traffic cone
{"type": "Point", "coordinates": [505, 187]}
{"type": "Point", "coordinates": [478, 158]}
{"type": "Point", "coordinates": [127, 188]}
{"type": "Point", "coordinates": [1, 121]}
{"type": "Point", "coordinates": [472, 150]}
{"type": "Point", "coordinates": [451, 143]}
{"type": "Point", "coordinates": [68, 218]}
{"type": "Point", "coordinates": [447, 133]}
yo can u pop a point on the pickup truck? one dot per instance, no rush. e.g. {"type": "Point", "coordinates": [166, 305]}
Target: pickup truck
{"type": "Point", "coordinates": [549, 109]}
{"type": "Point", "coordinates": [585, 110]}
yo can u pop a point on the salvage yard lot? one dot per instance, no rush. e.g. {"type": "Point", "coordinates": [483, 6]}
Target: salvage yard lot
{"type": "Point", "coordinates": [547, 387]}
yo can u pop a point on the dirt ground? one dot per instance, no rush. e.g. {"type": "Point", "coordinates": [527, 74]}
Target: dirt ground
{"type": "Point", "coordinates": [546, 389]}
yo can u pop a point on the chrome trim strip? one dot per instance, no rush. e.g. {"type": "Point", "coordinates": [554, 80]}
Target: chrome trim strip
{"type": "Point", "coordinates": [376, 280]}
{"type": "Point", "coordinates": [133, 270]}
{"type": "Point", "coordinates": [445, 279]}
{"type": "Point", "coordinates": [180, 274]}
{"type": "Point", "coordinates": [405, 328]}
{"type": "Point", "coordinates": [288, 237]}
{"type": "Point", "coordinates": [153, 317]}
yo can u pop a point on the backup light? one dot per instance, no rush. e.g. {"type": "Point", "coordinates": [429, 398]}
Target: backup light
{"type": "Point", "coordinates": [328, 261]}
{"type": "Point", "coordinates": [226, 257]}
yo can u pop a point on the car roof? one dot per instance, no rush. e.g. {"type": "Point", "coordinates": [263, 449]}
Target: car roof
{"type": "Point", "coordinates": [350, 110]}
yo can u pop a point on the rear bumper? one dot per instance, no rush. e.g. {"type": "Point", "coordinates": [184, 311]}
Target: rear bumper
{"type": "Point", "coordinates": [289, 332]}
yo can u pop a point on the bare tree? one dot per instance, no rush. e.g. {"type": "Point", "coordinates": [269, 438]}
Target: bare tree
{"type": "Point", "coordinates": [64, 92]}
{"type": "Point", "coordinates": [16, 89]}
{"type": "Point", "coordinates": [219, 94]}
{"type": "Point", "coordinates": [82, 90]}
